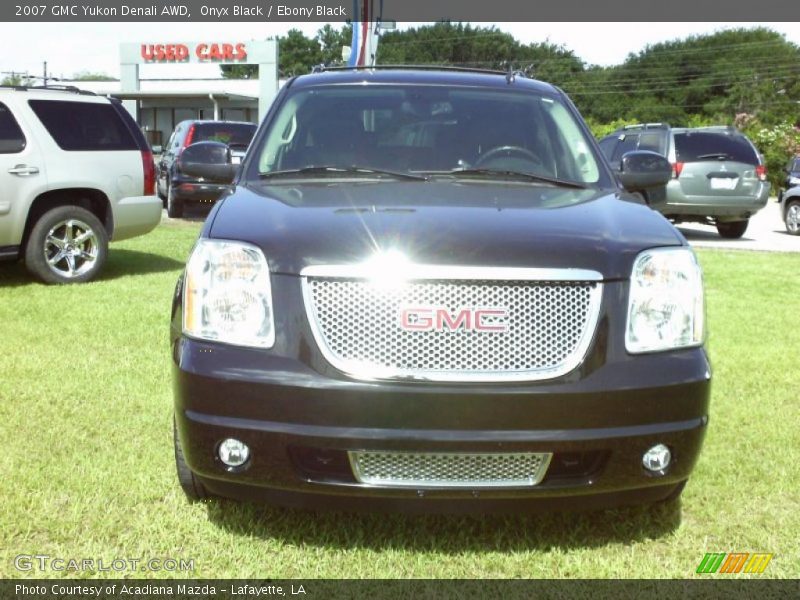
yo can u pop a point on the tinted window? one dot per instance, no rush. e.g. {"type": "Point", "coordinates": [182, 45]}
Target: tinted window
{"type": "Point", "coordinates": [653, 141]}
{"type": "Point", "coordinates": [696, 146]}
{"type": "Point", "coordinates": [418, 128]}
{"type": "Point", "coordinates": [233, 134]}
{"type": "Point", "coordinates": [84, 125]}
{"type": "Point", "coordinates": [627, 144]}
{"type": "Point", "coordinates": [795, 165]}
{"type": "Point", "coordinates": [607, 146]}
{"type": "Point", "coordinates": [11, 138]}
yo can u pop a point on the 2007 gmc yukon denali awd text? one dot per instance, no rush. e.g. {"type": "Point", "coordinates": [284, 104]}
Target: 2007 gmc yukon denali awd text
{"type": "Point", "coordinates": [427, 291]}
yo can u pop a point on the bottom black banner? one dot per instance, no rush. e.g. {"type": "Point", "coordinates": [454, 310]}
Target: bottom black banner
{"type": "Point", "coordinates": [298, 589]}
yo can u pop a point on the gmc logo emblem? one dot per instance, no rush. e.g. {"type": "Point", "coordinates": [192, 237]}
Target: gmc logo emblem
{"type": "Point", "coordinates": [433, 318]}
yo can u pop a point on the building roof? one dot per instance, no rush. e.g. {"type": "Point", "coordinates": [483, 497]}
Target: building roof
{"type": "Point", "coordinates": [232, 89]}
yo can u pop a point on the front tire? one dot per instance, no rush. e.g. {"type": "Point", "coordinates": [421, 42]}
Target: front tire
{"type": "Point", "coordinates": [733, 229]}
{"type": "Point", "coordinates": [792, 217]}
{"type": "Point", "coordinates": [174, 204]}
{"type": "Point", "coordinates": [68, 244]}
{"type": "Point", "coordinates": [190, 485]}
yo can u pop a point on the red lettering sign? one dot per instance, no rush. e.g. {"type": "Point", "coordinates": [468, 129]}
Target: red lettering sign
{"type": "Point", "coordinates": [204, 52]}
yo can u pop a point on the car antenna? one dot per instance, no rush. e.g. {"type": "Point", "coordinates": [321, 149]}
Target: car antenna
{"type": "Point", "coordinates": [513, 73]}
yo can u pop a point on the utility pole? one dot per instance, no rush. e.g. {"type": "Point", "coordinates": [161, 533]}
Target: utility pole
{"type": "Point", "coordinates": [367, 25]}
{"type": "Point", "coordinates": [44, 74]}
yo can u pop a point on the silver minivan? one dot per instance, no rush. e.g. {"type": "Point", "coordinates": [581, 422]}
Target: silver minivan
{"type": "Point", "coordinates": [718, 176]}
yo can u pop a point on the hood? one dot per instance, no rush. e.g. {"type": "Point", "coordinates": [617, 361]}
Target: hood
{"type": "Point", "coordinates": [474, 223]}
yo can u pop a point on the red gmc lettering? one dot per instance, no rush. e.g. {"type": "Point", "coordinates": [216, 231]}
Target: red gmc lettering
{"type": "Point", "coordinates": [443, 318]}
{"type": "Point", "coordinates": [416, 319]}
{"type": "Point", "coordinates": [427, 318]}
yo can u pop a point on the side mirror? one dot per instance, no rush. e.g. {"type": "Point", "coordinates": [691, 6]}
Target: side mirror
{"type": "Point", "coordinates": [642, 169]}
{"type": "Point", "coordinates": [208, 160]}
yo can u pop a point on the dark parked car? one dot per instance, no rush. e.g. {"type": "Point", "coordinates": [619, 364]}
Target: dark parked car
{"type": "Point", "coordinates": [719, 177]}
{"type": "Point", "coordinates": [427, 290]}
{"type": "Point", "coordinates": [792, 177]}
{"type": "Point", "coordinates": [790, 209]}
{"type": "Point", "coordinates": [175, 187]}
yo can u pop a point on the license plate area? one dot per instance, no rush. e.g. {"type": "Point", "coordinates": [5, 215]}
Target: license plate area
{"type": "Point", "coordinates": [724, 183]}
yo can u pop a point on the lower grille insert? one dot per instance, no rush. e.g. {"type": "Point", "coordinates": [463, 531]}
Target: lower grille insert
{"type": "Point", "coordinates": [449, 470]}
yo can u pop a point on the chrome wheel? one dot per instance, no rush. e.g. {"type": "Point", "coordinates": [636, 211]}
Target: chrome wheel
{"type": "Point", "coordinates": [793, 218]}
{"type": "Point", "coordinates": [71, 248]}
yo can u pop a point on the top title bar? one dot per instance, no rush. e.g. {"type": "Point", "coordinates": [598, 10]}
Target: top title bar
{"type": "Point", "coordinates": [397, 10]}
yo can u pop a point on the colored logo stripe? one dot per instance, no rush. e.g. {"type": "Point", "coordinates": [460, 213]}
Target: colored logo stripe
{"type": "Point", "coordinates": [710, 562]}
{"type": "Point", "coordinates": [757, 563]}
{"type": "Point", "coordinates": [736, 562]}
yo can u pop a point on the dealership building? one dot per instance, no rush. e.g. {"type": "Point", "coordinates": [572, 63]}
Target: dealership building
{"type": "Point", "coordinates": [159, 104]}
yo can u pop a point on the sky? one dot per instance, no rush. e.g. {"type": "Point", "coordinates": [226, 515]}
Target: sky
{"type": "Point", "coordinates": [70, 48]}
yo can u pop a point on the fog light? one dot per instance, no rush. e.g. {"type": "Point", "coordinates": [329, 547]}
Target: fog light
{"type": "Point", "coordinates": [657, 458]}
{"type": "Point", "coordinates": [233, 453]}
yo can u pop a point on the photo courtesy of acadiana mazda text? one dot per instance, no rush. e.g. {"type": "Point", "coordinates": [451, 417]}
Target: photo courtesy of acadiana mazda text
{"type": "Point", "coordinates": [427, 290]}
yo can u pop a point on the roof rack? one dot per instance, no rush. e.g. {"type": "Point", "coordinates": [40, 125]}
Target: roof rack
{"type": "Point", "coordinates": [647, 126]}
{"type": "Point", "coordinates": [727, 128]}
{"type": "Point", "coordinates": [323, 68]}
{"type": "Point", "coordinates": [55, 88]}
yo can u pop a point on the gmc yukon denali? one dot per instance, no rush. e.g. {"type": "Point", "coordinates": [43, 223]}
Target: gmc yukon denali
{"type": "Point", "coordinates": [426, 290]}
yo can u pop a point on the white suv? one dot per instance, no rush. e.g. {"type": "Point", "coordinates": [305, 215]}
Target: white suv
{"type": "Point", "coordinates": [75, 172]}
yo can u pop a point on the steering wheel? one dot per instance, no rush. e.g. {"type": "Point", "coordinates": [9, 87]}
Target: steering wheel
{"type": "Point", "coordinates": [508, 151]}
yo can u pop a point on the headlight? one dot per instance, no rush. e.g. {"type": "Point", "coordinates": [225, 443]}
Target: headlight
{"type": "Point", "coordinates": [227, 295]}
{"type": "Point", "coordinates": [665, 309]}
{"type": "Point", "coordinates": [794, 180]}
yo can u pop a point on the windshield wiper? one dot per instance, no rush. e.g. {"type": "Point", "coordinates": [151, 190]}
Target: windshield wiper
{"type": "Point", "coordinates": [325, 170]}
{"type": "Point", "coordinates": [507, 174]}
{"type": "Point", "coordinates": [718, 155]}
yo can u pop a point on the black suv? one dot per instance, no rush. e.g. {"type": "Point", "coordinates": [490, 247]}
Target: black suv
{"type": "Point", "coordinates": [427, 290]}
{"type": "Point", "coordinates": [792, 180]}
{"type": "Point", "coordinates": [175, 187]}
{"type": "Point", "coordinates": [719, 178]}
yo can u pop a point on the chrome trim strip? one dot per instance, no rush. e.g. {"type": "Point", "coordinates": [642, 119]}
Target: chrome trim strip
{"type": "Point", "coordinates": [544, 458]}
{"type": "Point", "coordinates": [360, 371]}
{"type": "Point", "coordinates": [451, 272]}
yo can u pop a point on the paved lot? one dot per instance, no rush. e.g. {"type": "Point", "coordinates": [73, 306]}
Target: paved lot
{"type": "Point", "coordinates": [765, 232]}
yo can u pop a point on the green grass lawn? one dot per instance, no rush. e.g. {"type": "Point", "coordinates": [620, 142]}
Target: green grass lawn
{"type": "Point", "coordinates": [87, 468]}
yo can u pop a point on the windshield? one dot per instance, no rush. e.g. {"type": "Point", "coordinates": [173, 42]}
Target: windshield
{"type": "Point", "coordinates": [233, 134]}
{"type": "Point", "coordinates": [426, 129]}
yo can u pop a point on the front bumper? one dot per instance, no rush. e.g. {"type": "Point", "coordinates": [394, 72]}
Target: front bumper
{"type": "Point", "coordinates": [300, 422]}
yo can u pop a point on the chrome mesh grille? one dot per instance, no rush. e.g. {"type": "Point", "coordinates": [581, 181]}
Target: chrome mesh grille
{"type": "Point", "coordinates": [434, 469]}
{"type": "Point", "coordinates": [548, 328]}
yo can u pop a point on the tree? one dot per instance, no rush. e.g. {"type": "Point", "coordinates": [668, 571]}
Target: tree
{"type": "Point", "coordinates": [12, 79]}
{"type": "Point", "coordinates": [298, 54]}
{"type": "Point", "coordinates": [89, 76]}
{"type": "Point", "coordinates": [331, 42]}
{"type": "Point", "coordinates": [710, 77]}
